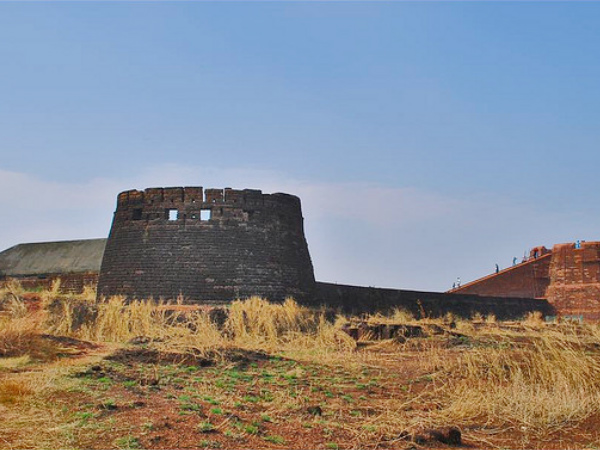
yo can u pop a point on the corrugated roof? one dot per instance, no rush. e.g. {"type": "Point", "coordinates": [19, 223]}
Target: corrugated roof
{"type": "Point", "coordinates": [53, 257]}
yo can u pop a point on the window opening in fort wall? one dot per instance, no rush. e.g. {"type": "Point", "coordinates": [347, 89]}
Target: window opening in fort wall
{"type": "Point", "coordinates": [172, 214]}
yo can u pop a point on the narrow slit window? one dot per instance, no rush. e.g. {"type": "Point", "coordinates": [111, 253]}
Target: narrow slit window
{"type": "Point", "coordinates": [205, 214]}
{"type": "Point", "coordinates": [172, 214]}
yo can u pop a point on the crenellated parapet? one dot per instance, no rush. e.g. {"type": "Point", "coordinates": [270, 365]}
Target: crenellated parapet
{"type": "Point", "coordinates": [176, 204]}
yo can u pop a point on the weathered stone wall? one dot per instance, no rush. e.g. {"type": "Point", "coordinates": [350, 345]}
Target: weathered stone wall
{"type": "Point", "coordinates": [529, 279]}
{"type": "Point", "coordinates": [163, 243]}
{"type": "Point", "coordinates": [568, 277]}
{"type": "Point", "coordinates": [72, 283]}
{"type": "Point", "coordinates": [575, 280]}
{"type": "Point", "coordinates": [358, 300]}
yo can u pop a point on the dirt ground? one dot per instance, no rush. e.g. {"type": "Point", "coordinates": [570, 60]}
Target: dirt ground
{"type": "Point", "coordinates": [135, 396]}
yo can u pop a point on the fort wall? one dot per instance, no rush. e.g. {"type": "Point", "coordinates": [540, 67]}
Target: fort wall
{"type": "Point", "coordinates": [208, 245]}
{"type": "Point", "coordinates": [70, 283]}
{"type": "Point", "coordinates": [528, 279]}
{"type": "Point", "coordinates": [568, 277]}
{"type": "Point", "coordinates": [360, 300]}
{"type": "Point", "coordinates": [575, 280]}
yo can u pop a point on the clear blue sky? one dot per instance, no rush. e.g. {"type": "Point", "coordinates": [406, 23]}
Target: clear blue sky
{"type": "Point", "coordinates": [427, 140]}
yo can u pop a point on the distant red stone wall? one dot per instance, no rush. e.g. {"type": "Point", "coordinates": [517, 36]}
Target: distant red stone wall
{"type": "Point", "coordinates": [72, 283]}
{"type": "Point", "coordinates": [575, 280]}
{"type": "Point", "coordinates": [568, 277]}
{"type": "Point", "coordinates": [525, 280]}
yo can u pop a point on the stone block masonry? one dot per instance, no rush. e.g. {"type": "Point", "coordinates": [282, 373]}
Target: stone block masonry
{"type": "Point", "coordinates": [575, 280]}
{"type": "Point", "coordinates": [568, 277]}
{"type": "Point", "coordinates": [208, 245]}
{"type": "Point", "coordinates": [356, 300]}
{"type": "Point", "coordinates": [529, 279]}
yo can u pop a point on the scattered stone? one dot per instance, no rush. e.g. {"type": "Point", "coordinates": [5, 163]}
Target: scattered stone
{"type": "Point", "coordinates": [140, 340]}
{"type": "Point", "coordinates": [447, 435]}
{"type": "Point", "coordinates": [314, 410]}
{"type": "Point", "coordinates": [234, 417]}
{"type": "Point", "coordinates": [149, 381]}
{"type": "Point", "coordinates": [108, 406]}
{"type": "Point", "coordinates": [350, 331]}
{"type": "Point", "coordinates": [404, 332]}
{"type": "Point", "coordinates": [366, 331]}
{"type": "Point", "coordinates": [218, 316]}
{"type": "Point", "coordinates": [433, 330]}
{"type": "Point", "coordinates": [404, 435]}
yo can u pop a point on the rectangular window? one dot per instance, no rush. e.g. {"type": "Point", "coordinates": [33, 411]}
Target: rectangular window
{"type": "Point", "coordinates": [172, 214]}
{"type": "Point", "coordinates": [137, 214]}
{"type": "Point", "coordinates": [205, 214]}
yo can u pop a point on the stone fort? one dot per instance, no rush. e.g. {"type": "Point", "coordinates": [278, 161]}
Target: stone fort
{"type": "Point", "coordinates": [212, 246]}
{"type": "Point", "coordinates": [207, 245]}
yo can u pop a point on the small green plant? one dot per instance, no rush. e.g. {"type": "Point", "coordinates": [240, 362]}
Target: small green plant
{"type": "Point", "coordinates": [206, 427]}
{"type": "Point", "coordinates": [128, 442]}
{"type": "Point", "coordinates": [251, 429]}
{"type": "Point", "coordinates": [190, 407]}
{"type": "Point", "coordinates": [209, 444]}
{"type": "Point", "coordinates": [84, 416]}
{"type": "Point", "coordinates": [109, 403]}
{"type": "Point", "coordinates": [266, 418]}
{"type": "Point", "coordinates": [212, 401]}
{"type": "Point", "coordinates": [217, 411]}
{"type": "Point", "coordinates": [274, 439]}
{"type": "Point", "coordinates": [332, 445]}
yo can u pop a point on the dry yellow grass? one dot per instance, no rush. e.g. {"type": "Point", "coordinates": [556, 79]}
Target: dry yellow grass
{"type": "Point", "coordinates": [17, 335]}
{"type": "Point", "coordinates": [540, 378]}
{"type": "Point", "coordinates": [13, 391]}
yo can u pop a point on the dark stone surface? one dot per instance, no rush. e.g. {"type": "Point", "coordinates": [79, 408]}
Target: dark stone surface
{"type": "Point", "coordinates": [360, 300]}
{"type": "Point", "coordinates": [253, 244]}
